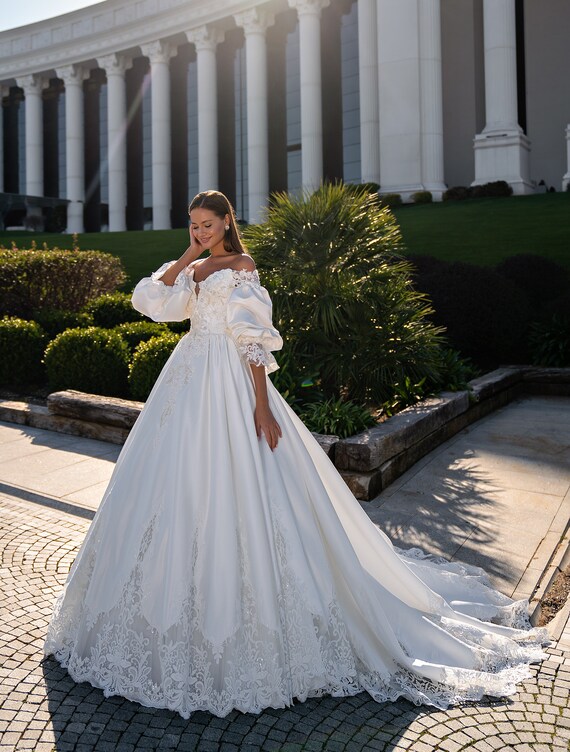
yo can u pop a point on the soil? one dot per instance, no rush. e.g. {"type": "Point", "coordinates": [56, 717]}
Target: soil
{"type": "Point", "coordinates": [555, 597]}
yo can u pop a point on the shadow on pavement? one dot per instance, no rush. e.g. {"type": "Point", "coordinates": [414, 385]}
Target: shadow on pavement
{"type": "Point", "coordinates": [82, 717]}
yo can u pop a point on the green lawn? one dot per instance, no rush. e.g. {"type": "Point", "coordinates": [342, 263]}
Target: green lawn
{"type": "Point", "coordinates": [485, 231]}
{"type": "Point", "coordinates": [481, 231]}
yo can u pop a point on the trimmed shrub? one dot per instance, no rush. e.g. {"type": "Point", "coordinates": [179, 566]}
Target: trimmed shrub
{"type": "Point", "coordinates": [486, 315]}
{"type": "Point", "coordinates": [91, 360]}
{"type": "Point", "coordinates": [34, 279]}
{"type": "Point", "coordinates": [22, 346]}
{"type": "Point", "coordinates": [54, 322]}
{"type": "Point", "coordinates": [457, 193]}
{"type": "Point", "coordinates": [148, 361]}
{"type": "Point", "coordinates": [112, 309]}
{"type": "Point", "coordinates": [179, 327]}
{"type": "Point", "coordinates": [135, 332]}
{"type": "Point", "coordinates": [426, 265]}
{"type": "Point", "coordinates": [422, 197]}
{"type": "Point", "coordinates": [391, 199]}
{"type": "Point", "coordinates": [495, 189]}
{"type": "Point", "coordinates": [539, 278]}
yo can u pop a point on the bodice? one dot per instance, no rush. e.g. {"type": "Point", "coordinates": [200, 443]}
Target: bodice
{"type": "Point", "coordinates": [210, 300]}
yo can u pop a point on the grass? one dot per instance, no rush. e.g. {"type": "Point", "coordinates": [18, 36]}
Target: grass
{"type": "Point", "coordinates": [481, 231]}
{"type": "Point", "coordinates": [485, 231]}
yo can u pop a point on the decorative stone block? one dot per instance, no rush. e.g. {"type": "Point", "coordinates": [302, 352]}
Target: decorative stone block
{"type": "Point", "coordinates": [370, 449]}
{"type": "Point", "coordinates": [95, 408]}
{"type": "Point", "coordinates": [495, 381]}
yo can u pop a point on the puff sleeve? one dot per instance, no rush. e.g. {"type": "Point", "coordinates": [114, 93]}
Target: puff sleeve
{"type": "Point", "coordinates": [162, 302]}
{"type": "Point", "coordinates": [250, 323]}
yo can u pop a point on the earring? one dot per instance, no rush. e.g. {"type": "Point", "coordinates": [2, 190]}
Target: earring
{"type": "Point", "coordinates": [226, 227]}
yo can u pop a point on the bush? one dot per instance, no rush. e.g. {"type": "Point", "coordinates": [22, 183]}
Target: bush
{"type": "Point", "coordinates": [486, 315]}
{"type": "Point", "coordinates": [22, 346]}
{"type": "Point", "coordinates": [457, 193]}
{"type": "Point", "coordinates": [112, 309]}
{"type": "Point", "coordinates": [54, 322]}
{"type": "Point", "coordinates": [297, 379]}
{"type": "Point", "coordinates": [342, 294]}
{"type": "Point", "coordinates": [34, 279]}
{"type": "Point", "coordinates": [135, 332]}
{"type": "Point", "coordinates": [336, 416]}
{"type": "Point", "coordinates": [91, 360]}
{"type": "Point", "coordinates": [391, 199]}
{"type": "Point", "coordinates": [422, 197]}
{"type": "Point", "coordinates": [549, 342]}
{"type": "Point", "coordinates": [148, 361]}
{"type": "Point", "coordinates": [495, 189]}
{"type": "Point", "coordinates": [539, 278]}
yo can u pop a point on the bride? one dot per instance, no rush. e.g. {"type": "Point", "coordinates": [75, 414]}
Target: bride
{"type": "Point", "coordinates": [229, 566]}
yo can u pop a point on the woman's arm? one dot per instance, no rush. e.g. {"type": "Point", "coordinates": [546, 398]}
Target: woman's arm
{"type": "Point", "coordinates": [264, 421]}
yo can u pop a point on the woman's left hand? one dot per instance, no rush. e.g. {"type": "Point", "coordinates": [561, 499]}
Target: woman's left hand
{"type": "Point", "coordinates": [266, 424]}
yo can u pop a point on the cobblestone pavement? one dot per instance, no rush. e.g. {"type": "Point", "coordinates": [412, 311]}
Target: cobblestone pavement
{"type": "Point", "coordinates": [42, 709]}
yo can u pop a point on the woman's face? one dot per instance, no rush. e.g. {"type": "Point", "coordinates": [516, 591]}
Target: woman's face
{"type": "Point", "coordinates": [207, 227]}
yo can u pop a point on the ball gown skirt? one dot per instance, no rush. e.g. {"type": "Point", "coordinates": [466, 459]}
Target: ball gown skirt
{"type": "Point", "coordinates": [217, 574]}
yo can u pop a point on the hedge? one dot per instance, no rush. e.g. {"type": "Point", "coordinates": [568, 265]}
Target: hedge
{"type": "Point", "coordinates": [22, 346]}
{"type": "Point", "coordinates": [91, 360]}
{"type": "Point", "coordinates": [148, 361]}
{"type": "Point", "coordinates": [35, 279]}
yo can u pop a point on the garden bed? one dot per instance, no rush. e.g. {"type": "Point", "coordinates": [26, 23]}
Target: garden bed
{"type": "Point", "coordinates": [368, 461]}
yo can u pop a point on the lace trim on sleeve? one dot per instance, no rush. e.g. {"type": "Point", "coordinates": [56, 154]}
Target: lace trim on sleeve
{"type": "Point", "coordinates": [181, 281]}
{"type": "Point", "coordinates": [254, 353]}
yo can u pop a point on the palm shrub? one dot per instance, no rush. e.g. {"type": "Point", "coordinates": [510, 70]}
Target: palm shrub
{"type": "Point", "coordinates": [549, 342]}
{"type": "Point", "coordinates": [342, 293]}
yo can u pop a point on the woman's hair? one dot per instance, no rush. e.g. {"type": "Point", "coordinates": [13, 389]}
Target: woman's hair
{"type": "Point", "coordinates": [217, 203]}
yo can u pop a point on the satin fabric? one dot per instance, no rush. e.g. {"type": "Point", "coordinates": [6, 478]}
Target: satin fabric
{"type": "Point", "coordinates": [219, 574]}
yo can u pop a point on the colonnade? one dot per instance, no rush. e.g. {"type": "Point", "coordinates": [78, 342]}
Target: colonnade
{"type": "Point", "coordinates": [401, 120]}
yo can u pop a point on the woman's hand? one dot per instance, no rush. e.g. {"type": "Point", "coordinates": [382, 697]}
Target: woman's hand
{"type": "Point", "coordinates": [194, 250]}
{"type": "Point", "coordinates": [190, 254]}
{"type": "Point", "coordinates": [266, 424]}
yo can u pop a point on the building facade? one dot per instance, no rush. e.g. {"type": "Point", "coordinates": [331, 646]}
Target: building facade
{"type": "Point", "coordinates": [127, 109]}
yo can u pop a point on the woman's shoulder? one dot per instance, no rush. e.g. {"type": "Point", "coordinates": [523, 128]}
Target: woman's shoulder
{"type": "Point", "coordinates": [244, 263]}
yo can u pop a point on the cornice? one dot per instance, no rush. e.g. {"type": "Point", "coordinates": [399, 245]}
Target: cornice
{"type": "Point", "coordinates": [112, 26]}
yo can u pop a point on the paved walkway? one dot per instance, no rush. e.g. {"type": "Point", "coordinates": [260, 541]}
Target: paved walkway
{"type": "Point", "coordinates": [497, 494]}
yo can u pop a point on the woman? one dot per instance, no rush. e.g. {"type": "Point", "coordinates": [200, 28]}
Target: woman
{"type": "Point", "coordinates": [229, 566]}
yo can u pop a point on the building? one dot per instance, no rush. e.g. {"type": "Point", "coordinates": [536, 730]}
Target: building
{"type": "Point", "coordinates": [129, 107]}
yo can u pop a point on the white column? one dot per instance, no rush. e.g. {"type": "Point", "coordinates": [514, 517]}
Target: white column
{"type": "Point", "coordinates": [73, 77]}
{"type": "Point", "coordinates": [431, 97]}
{"type": "Point", "coordinates": [502, 149]}
{"type": "Point", "coordinates": [206, 39]}
{"type": "Point", "coordinates": [368, 86]}
{"type": "Point", "coordinates": [159, 54]}
{"type": "Point", "coordinates": [32, 86]}
{"type": "Point", "coordinates": [3, 93]}
{"type": "Point", "coordinates": [255, 23]}
{"type": "Point", "coordinates": [566, 178]}
{"type": "Point", "coordinates": [399, 97]}
{"type": "Point", "coordinates": [309, 12]}
{"type": "Point", "coordinates": [115, 66]}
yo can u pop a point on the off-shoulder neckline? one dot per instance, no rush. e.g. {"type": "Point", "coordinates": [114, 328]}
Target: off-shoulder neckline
{"type": "Point", "coordinates": [239, 272]}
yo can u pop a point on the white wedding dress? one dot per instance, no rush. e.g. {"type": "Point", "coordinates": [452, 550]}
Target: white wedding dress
{"type": "Point", "coordinates": [218, 574]}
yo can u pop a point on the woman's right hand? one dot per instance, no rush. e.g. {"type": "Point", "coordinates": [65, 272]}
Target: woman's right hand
{"type": "Point", "coordinates": [194, 250]}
